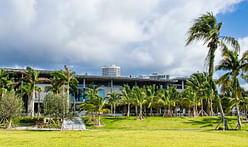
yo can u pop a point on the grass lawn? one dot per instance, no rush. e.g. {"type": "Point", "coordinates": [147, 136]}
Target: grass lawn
{"type": "Point", "coordinates": [123, 138]}
{"type": "Point", "coordinates": [127, 132]}
{"type": "Point", "coordinates": [158, 123]}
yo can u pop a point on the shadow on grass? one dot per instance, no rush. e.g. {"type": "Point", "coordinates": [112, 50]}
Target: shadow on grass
{"type": "Point", "coordinates": [204, 122]}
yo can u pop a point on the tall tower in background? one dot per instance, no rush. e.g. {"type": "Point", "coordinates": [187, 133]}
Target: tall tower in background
{"type": "Point", "coordinates": [111, 71]}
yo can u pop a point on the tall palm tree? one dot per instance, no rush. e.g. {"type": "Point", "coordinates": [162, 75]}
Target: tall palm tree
{"type": "Point", "coordinates": [39, 90]}
{"type": "Point", "coordinates": [151, 96]}
{"type": "Point", "coordinates": [32, 77]}
{"type": "Point", "coordinates": [207, 29]}
{"type": "Point", "coordinates": [234, 65]}
{"type": "Point", "coordinates": [73, 90]}
{"type": "Point", "coordinates": [127, 97]}
{"type": "Point", "coordinates": [113, 99]}
{"type": "Point", "coordinates": [69, 76]}
{"type": "Point", "coordinates": [139, 95]}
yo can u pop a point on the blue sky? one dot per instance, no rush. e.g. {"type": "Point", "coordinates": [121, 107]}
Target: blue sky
{"type": "Point", "coordinates": [141, 36]}
{"type": "Point", "coordinates": [235, 22]}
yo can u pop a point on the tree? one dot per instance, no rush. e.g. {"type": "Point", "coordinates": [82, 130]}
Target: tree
{"type": "Point", "coordinates": [55, 106]}
{"type": "Point", "coordinates": [167, 98]}
{"type": "Point", "coordinates": [234, 65]}
{"type": "Point", "coordinates": [31, 78]}
{"type": "Point", "coordinates": [73, 90]}
{"type": "Point", "coordinates": [189, 98]}
{"type": "Point", "coordinates": [11, 106]}
{"type": "Point", "coordinates": [127, 97]}
{"type": "Point", "coordinates": [5, 81]}
{"type": "Point", "coordinates": [151, 96]}
{"type": "Point", "coordinates": [139, 95]}
{"type": "Point", "coordinates": [207, 29]}
{"type": "Point", "coordinates": [69, 76]}
{"type": "Point", "coordinates": [200, 83]}
{"type": "Point", "coordinates": [113, 99]}
{"type": "Point", "coordinates": [98, 101]}
{"type": "Point", "coordinates": [39, 90]}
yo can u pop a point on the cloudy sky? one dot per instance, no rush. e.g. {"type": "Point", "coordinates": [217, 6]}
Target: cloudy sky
{"type": "Point", "coordinates": [141, 36]}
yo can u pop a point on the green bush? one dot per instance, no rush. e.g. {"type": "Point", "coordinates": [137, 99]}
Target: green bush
{"type": "Point", "coordinates": [27, 121]}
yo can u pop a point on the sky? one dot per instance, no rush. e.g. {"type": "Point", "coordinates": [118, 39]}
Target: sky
{"type": "Point", "coordinates": [140, 36]}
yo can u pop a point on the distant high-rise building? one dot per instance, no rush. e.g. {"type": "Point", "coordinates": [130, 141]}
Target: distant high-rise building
{"type": "Point", "coordinates": [111, 71]}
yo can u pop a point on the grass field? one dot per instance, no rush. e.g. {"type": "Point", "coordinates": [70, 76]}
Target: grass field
{"type": "Point", "coordinates": [154, 123]}
{"type": "Point", "coordinates": [122, 138]}
{"type": "Point", "coordinates": [130, 132]}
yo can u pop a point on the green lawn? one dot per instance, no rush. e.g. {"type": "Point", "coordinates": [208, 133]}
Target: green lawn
{"type": "Point", "coordinates": [123, 138]}
{"type": "Point", "coordinates": [154, 123]}
{"type": "Point", "coordinates": [127, 132]}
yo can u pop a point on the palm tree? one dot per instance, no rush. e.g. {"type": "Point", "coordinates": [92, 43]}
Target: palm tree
{"type": "Point", "coordinates": [189, 98]}
{"type": "Point", "coordinates": [151, 96]}
{"type": "Point", "coordinates": [207, 29]}
{"type": "Point", "coordinates": [69, 77]}
{"type": "Point", "coordinates": [127, 97]}
{"type": "Point", "coordinates": [200, 83]}
{"type": "Point", "coordinates": [113, 99]}
{"type": "Point", "coordinates": [139, 95]}
{"type": "Point", "coordinates": [58, 80]}
{"type": "Point", "coordinates": [32, 77]}
{"type": "Point", "coordinates": [5, 81]}
{"type": "Point", "coordinates": [167, 98]}
{"type": "Point", "coordinates": [233, 64]}
{"type": "Point", "coordinates": [98, 101]}
{"type": "Point", "coordinates": [73, 90]}
{"type": "Point", "coordinates": [39, 90]}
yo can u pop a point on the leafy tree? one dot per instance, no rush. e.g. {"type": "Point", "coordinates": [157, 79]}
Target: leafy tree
{"type": "Point", "coordinates": [55, 106]}
{"type": "Point", "coordinates": [113, 99]}
{"type": "Point", "coordinates": [11, 106]}
{"type": "Point", "coordinates": [98, 102]}
{"type": "Point", "coordinates": [31, 79]}
{"type": "Point", "coordinates": [167, 98]}
{"type": "Point", "coordinates": [189, 98]}
{"type": "Point", "coordinates": [233, 64]}
{"type": "Point", "coordinates": [5, 81]}
{"type": "Point", "coordinates": [151, 96]}
{"type": "Point", "coordinates": [139, 95]}
{"type": "Point", "coordinates": [73, 90]}
{"type": "Point", "coordinates": [39, 90]}
{"type": "Point", "coordinates": [127, 97]}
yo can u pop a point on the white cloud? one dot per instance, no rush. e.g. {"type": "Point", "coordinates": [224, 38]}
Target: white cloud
{"type": "Point", "coordinates": [245, 86]}
{"type": "Point", "coordinates": [147, 35]}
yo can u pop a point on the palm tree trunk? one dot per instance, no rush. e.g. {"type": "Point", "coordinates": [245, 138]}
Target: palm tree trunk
{"type": "Point", "coordinates": [238, 112]}
{"type": "Point", "coordinates": [68, 96]}
{"type": "Point", "coordinates": [202, 108]}
{"type": "Point", "coordinates": [225, 126]}
{"type": "Point", "coordinates": [189, 112]}
{"type": "Point", "coordinates": [114, 109]}
{"type": "Point", "coordinates": [39, 105]}
{"type": "Point", "coordinates": [164, 111]}
{"type": "Point", "coordinates": [151, 114]}
{"type": "Point", "coordinates": [169, 111]}
{"type": "Point", "coordinates": [99, 118]}
{"type": "Point", "coordinates": [128, 110]}
{"type": "Point", "coordinates": [175, 110]}
{"type": "Point", "coordinates": [211, 108]}
{"type": "Point", "coordinates": [140, 112]}
{"type": "Point", "coordinates": [236, 101]}
{"type": "Point", "coordinates": [31, 104]}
